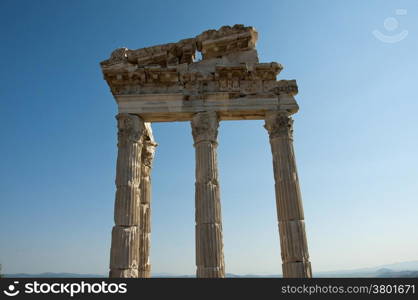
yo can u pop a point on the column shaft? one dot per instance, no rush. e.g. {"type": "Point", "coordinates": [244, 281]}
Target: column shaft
{"type": "Point", "coordinates": [293, 243]}
{"type": "Point", "coordinates": [144, 267]}
{"type": "Point", "coordinates": [124, 253]}
{"type": "Point", "coordinates": [209, 241]}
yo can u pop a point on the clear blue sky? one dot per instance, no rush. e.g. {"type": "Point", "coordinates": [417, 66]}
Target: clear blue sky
{"type": "Point", "coordinates": [356, 137]}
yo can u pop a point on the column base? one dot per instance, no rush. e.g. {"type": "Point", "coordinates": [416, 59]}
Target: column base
{"type": "Point", "coordinates": [209, 250]}
{"type": "Point", "coordinates": [123, 273]}
{"type": "Point", "coordinates": [297, 270]}
{"type": "Point", "coordinates": [145, 271]}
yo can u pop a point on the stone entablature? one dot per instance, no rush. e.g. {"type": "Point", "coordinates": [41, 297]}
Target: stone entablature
{"type": "Point", "coordinates": [165, 83]}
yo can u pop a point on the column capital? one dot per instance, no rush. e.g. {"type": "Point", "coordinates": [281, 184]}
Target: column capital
{"type": "Point", "coordinates": [205, 127]}
{"type": "Point", "coordinates": [279, 124]}
{"type": "Point", "coordinates": [131, 128]}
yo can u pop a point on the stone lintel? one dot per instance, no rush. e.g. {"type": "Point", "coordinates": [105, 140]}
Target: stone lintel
{"type": "Point", "coordinates": [174, 107]}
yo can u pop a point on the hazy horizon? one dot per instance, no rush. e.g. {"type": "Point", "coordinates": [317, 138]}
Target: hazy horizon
{"type": "Point", "coordinates": [401, 269]}
{"type": "Point", "coordinates": [356, 136]}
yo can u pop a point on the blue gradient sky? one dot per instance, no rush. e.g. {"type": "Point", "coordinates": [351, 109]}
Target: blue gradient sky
{"type": "Point", "coordinates": [356, 137]}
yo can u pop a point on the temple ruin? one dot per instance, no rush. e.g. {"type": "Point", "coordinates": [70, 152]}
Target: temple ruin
{"type": "Point", "coordinates": [166, 83]}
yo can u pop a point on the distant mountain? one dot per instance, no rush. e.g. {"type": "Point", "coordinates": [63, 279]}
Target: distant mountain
{"type": "Point", "coordinates": [406, 265]}
{"type": "Point", "coordinates": [400, 274]}
{"type": "Point", "coordinates": [401, 269]}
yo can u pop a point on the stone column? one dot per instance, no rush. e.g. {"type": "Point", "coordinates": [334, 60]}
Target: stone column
{"type": "Point", "coordinates": [124, 253]}
{"type": "Point", "coordinates": [148, 150]}
{"type": "Point", "coordinates": [209, 242]}
{"type": "Point", "coordinates": [294, 248]}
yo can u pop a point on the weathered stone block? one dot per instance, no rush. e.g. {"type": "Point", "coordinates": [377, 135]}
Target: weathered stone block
{"type": "Point", "coordinates": [124, 251]}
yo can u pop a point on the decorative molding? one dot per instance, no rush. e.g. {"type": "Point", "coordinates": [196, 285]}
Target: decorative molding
{"type": "Point", "coordinates": [245, 79]}
{"type": "Point", "coordinates": [286, 87]}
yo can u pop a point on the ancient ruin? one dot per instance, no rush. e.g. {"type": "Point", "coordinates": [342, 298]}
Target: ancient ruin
{"type": "Point", "coordinates": [166, 83]}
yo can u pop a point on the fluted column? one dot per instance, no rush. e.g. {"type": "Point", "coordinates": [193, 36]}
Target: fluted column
{"type": "Point", "coordinates": [293, 243]}
{"type": "Point", "coordinates": [124, 253]}
{"type": "Point", "coordinates": [148, 151]}
{"type": "Point", "coordinates": [209, 242]}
